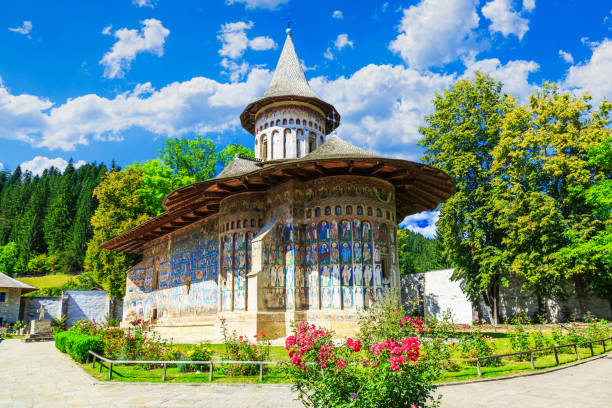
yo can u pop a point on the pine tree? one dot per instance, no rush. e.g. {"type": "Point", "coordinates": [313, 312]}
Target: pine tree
{"type": "Point", "coordinates": [60, 212]}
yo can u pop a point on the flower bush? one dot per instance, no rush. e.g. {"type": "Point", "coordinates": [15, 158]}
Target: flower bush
{"type": "Point", "coordinates": [476, 344]}
{"type": "Point", "coordinates": [387, 374]}
{"type": "Point", "coordinates": [240, 348]}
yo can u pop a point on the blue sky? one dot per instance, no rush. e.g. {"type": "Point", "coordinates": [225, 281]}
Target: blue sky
{"type": "Point", "coordinates": [97, 81]}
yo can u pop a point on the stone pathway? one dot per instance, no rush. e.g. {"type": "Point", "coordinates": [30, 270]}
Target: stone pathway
{"type": "Point", "coordinates": [37, 375]}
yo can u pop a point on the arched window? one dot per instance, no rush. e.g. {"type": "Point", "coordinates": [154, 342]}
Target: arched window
{"type": "Point", "coordinates": [309, 124]}
{"type": "Point", "coordinates": [312, 142]}
{"type": "Point", "coordinates": [252, 222]}
{"type": "Point", "coordinates": [273, 140]}
{"type": "Point", "coordinates": [370, 213]}
{"type": "Point", "coordinates": [272, 124]}
{"type": "Point", "coordinates": [245, 223]}
{"type": "Point", "coordinates": [264, 148]}
{"type": "Point", "coordinates": [266, 125]}
{"type": "Point", "coordinates": [338, 210]}
{"type": "Point", "coordinates": [232, 224]}
{"type": "Point", "coordinates": [238, 223]}
{"type": "Point", "coordinates": [297, 121]}
{"type": "Point", "coordinates": [284, 121]}
{"type": "Point", "coordinates": [318, 212]}
{"type": "Point", "coordinates": [285, 140]}
{"type": "Point", "coordinates": [349, 210]}
{"type": "Point", "coordinates": [328, 210]}
{"type": "Point", "coordinates": [278, 122]}
{"type": "Point", "coordinates": [359, 210]}
{"type": "Point", "coordinates": [308, 213]}
{"type": "Point", "coordinates": [321, 139]}
{"type": "Point", "coordinates": [291, 121]}
{"type": "Point", "coordinates": [378, 212]}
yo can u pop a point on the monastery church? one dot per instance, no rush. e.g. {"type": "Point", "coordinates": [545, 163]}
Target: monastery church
{"type": "Point", "coordinates": [306, 231]}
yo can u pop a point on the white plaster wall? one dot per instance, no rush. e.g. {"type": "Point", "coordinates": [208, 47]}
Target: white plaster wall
{"type": "Point", "coordinates": [442, 293]}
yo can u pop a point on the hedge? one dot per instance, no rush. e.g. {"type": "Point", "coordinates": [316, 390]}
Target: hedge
{"type": "Point", "coordinates": [78, 345]}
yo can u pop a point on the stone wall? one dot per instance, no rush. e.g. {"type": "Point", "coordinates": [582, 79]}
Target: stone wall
{"type": "Point", "coordinates": [9, 309]}
{"type": "Point", "coordinates": [32, 304]}
{"type": "Point", "coordinates": [93, 305]}
{"type": "Point", "coordinates": [434, 292]}
{"type": "Point", "coordinates": [74, 304]}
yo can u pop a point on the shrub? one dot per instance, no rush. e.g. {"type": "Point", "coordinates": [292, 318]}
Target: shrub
{"type": "Point", "coordinates": [329, 375]}
{"type": "Point", "coordinates": [83, 326]}
{"type": "Point", "coordinates": [198, 352]}
{"type": "Point", "coordinates": [476, 344]}
{"type": "Point", "coordinates": [60, 340]}
{"type": "Point", "coordinates": [239, 348]}
{"type": "Point", "coordinates": [78, 345]}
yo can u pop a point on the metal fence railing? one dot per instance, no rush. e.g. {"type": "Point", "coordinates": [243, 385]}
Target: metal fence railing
{"type": "Point", "coordinates": [553, 348]}
{"type": "Point", "coordinates": [211, 364]}
{"type": "Point", "coordinates": [164, 364]}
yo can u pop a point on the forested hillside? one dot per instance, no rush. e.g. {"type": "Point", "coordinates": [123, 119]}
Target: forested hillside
{"type": "Point", "coordinates": [419, 254]}
{"type": "Point", "coordinates": [45, 220]}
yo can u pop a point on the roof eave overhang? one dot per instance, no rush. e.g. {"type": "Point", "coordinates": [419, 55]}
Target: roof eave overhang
{"type": "Point", "coordinates": [418, 188]}
{"type": "Point", "coordinates": [248, 116]}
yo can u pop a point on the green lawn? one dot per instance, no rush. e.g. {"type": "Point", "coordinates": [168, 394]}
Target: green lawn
{"type": "Point", "coordinates": [277, 353]}
{"type": "Point", "coordinates": [47, 281]}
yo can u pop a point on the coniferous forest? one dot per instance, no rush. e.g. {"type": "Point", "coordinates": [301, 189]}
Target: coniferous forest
{"type": "Point", "coordinates": [45, 220]}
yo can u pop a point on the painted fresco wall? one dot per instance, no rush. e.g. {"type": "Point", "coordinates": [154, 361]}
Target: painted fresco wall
{"type": "Point", "coordinates": [333, 247]}
{"type": "Point", "coordinates": [177, 277]}
{"type": "Point", "coordinates": [241, 216]}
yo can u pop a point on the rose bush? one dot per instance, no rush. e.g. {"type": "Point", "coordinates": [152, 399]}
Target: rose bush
{"type": "Point", "coordinates": [387, 374]}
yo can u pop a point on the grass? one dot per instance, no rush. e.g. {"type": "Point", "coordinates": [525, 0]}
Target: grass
{"type": "Point", "coordinates": [462, 372]}
{"type": "Point", "coordinates": [47, 281]}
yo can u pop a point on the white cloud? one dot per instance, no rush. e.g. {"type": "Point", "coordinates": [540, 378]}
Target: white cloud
{"type": "Point", "coordinates": [423, 223]}
{"type": "Point", "coordinates": [25, 28]}
{"type": "Point", "coordinates": [234, 42]}
{"type": "Point", "coordinates": [328, 54]}
{"type": "Point", "coordinates": [567, 57]}
{"type": "Point", "coordinates": [107, 30]}
{"type": "Point", "coordinates": [337, 14]}
{"type": "Point", "coordinates": [514, 74]}
{"type": "Point", "coordinates": [265, 4]}
{"type": "Point", "coordinates": [593, 75]}
{"type": "Point", "coordinates": [504, 19]}
{"type": "Point", "coordinates": [129, 43]}
{"type": "Point", "coordinates": [343, 41]}
{"type": "Point", "coordinates": [38, 164]}
{"type": "Point", "coordinates": [435, 32]}
{"type": "Point", "coordinates": [528, 5]}
{"type": "Point", "coordinates": [199, 105]}
{"type": "Point", "coordinates": [1, 166]}
{"type": "Point", "coordinates": [382, 106]}
{"type": "Point", "coordinates": [144, 3]}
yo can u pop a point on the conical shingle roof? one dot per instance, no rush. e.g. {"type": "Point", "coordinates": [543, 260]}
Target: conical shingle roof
{"type": "Point", "coordinates": [289, 84]}
{"type": "Point", "coordinates": [289, 78]}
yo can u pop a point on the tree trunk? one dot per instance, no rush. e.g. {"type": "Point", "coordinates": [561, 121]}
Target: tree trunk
{"type": "Point", "coordinates": [580, 295]}
{"type": "Point", "coordinates": [491, 300]}
{"type": "Point", "coordinates": [543, 310]}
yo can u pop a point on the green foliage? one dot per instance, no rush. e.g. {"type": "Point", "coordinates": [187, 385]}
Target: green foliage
{"type": "Point", "coordinates": [158, 180]}
{"type": "Point", "coordinates": [459, 138]}
{"type": "Point", "coordinates": [78, 345]}
{"type": "Point", "coordinates": [9, 260]}
{"type": "Point", "coordinates": [120, 209]}
{"type": "Point", "coordinates": [547, 193]}
{"type": "Point", "coordinates": [419, 254]}
{"type": "Point", "coordinates": [198, 158]}
{"type": "Point", "coordinates": [476, 344]}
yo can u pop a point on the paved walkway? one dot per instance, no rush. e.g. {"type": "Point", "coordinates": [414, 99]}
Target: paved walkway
{"type": "Point", "coordinates": [37, 375]}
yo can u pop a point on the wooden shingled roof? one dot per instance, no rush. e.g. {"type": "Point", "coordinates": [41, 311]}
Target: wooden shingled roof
{"type": "Point", "coordinates": [418, 187]}
{"type": "Point", "coordinates": [289, 84]}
